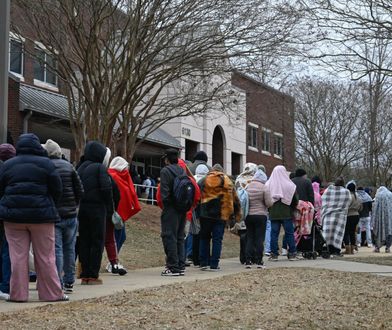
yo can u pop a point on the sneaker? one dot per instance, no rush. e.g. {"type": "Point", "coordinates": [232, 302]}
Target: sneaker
{"type": "Point", "coordinates": [248, 265]}
{"type": "Point", "coordinates": [260, 266]}
{"type": "Point", "coordinates": [370, 245]}
{"type": "Point", "coordinates": [284, 252]}
{"type": "Point", "coordinates": [68, 288]}
{"type": "Point", "coordinates": [273, 258]}
{"type": "Point", "coordinates": [168, 272]}
{"type": "Point", "coordinates": [109, 267]}
{"type": "Point", "coordinates": [293, 257]}
{"type": "Point", "coordinates": [387, 250]}
{"type": "Point", "coordinates": [267, 253]}
{"type": "Point", "coordinates": [377, 250]}
{"type": "Point", "coordinates": [118, 270]}
{"type": "Point", "coordinates": [215, 269]}
{"type": "Point", "coordinates": [203, 267]}
{"type": "Point", "coordinates": [4, 296]}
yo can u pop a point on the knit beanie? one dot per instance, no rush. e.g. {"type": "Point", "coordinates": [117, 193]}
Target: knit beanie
{"type": "Point", "coordinates": [7, 151]}
{"type": "Point", "coordinates": [300, 172]}
{"type": "Point", "coordinates": [53, 149]}
{"type": "Point", "coordinates": [200, 155]}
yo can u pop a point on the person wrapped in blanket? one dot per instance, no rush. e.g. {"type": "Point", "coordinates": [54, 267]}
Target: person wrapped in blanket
{"type": "Point", "coordinates": [241, 183]}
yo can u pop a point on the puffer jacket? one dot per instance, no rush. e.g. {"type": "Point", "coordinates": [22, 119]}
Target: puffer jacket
{"type": "Point", "coordinates": [95, 179]}
{"type": "Point", "coordinates": [72, 189]}
{"type": "Point", "coordinates": [29, 185]}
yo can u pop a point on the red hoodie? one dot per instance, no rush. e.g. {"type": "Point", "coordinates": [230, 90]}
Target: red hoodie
{"type": "Point", "coordinates": [129, 203]}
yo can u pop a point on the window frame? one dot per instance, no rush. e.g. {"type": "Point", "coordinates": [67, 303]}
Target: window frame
{"type": "Point", "coordinates": [266, 151]}
{"type": "Point", "coordinates": [278, 138]}
{"type": "Point", "coordinates": [15, 38]}
{"type": "Point", "coordinates": [44, 83]}
{"type": "Point", "coordinates": [253, 141]}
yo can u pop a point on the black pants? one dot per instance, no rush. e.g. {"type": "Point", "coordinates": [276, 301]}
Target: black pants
{"type": "Point", "coordinates": [195, 249]}
{"type": "Point", "coordinates": [92, 224]}
{"type": "Point", "coordinates": [350, 233]}
{"type": "Point", "coordinates": [255, 227]}
{"type": "Point", "coordinates": [173, 238]}
{"type": "Point", "coordinates": [242, 234]}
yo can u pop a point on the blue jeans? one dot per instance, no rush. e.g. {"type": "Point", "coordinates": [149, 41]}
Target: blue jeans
{"type": "Point", "coordinates": [211, 229]}
{"type": "Point", "coordinates": [188, 246]}
{"type": "Point", "coordinates": [65, 233]}
{"type": "Point", "coordinates": [267, 244]}
{"type": "Point", "coordinates": [288, 227]}
{"type": "Point", "coordinates": [120, 236]}
{"type": "Point", "coordinates": [6, 268]}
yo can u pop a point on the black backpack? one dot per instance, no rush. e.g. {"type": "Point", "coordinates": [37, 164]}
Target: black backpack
{"type": "Point", "coordinates": [183, 192]}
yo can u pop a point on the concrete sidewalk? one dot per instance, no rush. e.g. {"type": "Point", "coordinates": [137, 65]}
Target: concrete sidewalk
{"type": "Point", "coordinates": [150, 277]}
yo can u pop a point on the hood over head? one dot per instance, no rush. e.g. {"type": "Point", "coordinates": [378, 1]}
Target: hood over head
{"type": "Point", "coordinates": [94, 152]}
{"type": "Point", "coordinates": [28, 144]}
{"type": "Point", "coordinates": [119, 164]}
{"type": "Point", "coordinates": [53, 149]}
{"type": "Point", "coordinates": [202, 170]}
{"type": "Point", "coordinates": [200, 155]}
{"type": "Point", "coordinates": [106, 159]}
{"type": "Point", "coordinates": [260, 176]}
{"type": "Point", "coordinates": [7, 151]}
{"type": "Point", "coordinates": [218, 168]}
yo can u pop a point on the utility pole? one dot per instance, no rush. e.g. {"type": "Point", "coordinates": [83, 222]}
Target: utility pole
{"type": "Point", "coordinates": [4, 60]}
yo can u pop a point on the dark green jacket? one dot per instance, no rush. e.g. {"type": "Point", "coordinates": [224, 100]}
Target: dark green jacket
{"type": "Point", "coordinates": [280, 211]}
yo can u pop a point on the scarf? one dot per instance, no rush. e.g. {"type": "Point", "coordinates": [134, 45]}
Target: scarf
{"type": "Point", "coordinates": [280, 186]}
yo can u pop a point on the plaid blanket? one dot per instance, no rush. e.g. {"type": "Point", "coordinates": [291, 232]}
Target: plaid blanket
{"type": "Point", "coordinates": [382, 215]}
{"type": "Point", "coordinates": [335, 203]}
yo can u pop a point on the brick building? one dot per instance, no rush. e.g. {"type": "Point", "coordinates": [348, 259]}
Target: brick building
{"type": "Point", "coordinates": [270, 124]}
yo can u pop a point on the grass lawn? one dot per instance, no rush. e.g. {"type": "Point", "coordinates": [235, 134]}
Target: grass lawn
{"type": "Point", "coordinates": [143, 247]}
{"type": "Point", "coordinates": [267, 299]}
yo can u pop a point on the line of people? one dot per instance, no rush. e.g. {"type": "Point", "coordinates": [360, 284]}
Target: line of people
{"type": "Point", "coordinates": [45, 203]}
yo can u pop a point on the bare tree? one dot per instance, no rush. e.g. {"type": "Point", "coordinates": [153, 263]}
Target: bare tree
{"type": "Point", "coordinates": [128, 65]}
{"type": "Point", "coordinates": [327, 132]}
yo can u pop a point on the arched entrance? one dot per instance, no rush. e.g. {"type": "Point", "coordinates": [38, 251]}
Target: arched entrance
{"type": "Point", "coordinates": [218, 146]}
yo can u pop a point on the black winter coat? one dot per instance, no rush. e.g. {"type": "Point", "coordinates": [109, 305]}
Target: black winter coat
{"type": "Point", "coordinates": [304, 189]}
{"type": "Point", "coordinates": [29, 185]}
{"type": "Point", "coordinates": [95, 179]}
{"type": "Point", "coordinates": [72, 189]}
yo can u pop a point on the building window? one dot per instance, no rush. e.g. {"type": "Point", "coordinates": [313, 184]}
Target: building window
{"type": "Point", "coordinates": [253, 136]}
{"type": "Point", "coordinates": [278, 145]}
{"type": "Point", "coordinates": [266, 140]}
{"type": "Point", "coordinates": [43, 67]}
{"type": "Point", "coordinates": [16, 56]}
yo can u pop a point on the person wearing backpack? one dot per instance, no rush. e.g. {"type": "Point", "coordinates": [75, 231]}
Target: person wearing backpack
{"type": "Point", "coordinates": [177, 194]}
{"type": "Point", "coordinates": [219, 205]}
{"type": "Point", "coordinates": [256, 220]}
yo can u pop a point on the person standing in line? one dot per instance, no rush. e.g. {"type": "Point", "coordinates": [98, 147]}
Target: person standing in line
{"type": "Point", "coordinates": [7, 151]}
{"type": "Point", "coordinates": [382, 219]}
{"type": "Point", "coordinates": [126, 205]}
{"type": "Point", "coordinates": [256, 221]}
{"type": "Point", "coordinates": [364, 217]}
{"type": "Point", "coordinates": [200, 158]}
{"type": "Point", "coordinates": [97, 199]}
{"type": "Point", "coordinates": [67, 207]}
{"type": "Point", "coordinates": [172, 219]}
{"type": "Point", "coordinates": [219, 204]}
{"type": "Point", "coordinates": [335, 203]}
{"type": "Point", "coordinates": [285, 200]}
{"type": "Point", "coordinates": [304, 186]}
{"type": "Point", "coordinates": [354, 208]}
{"type": "Point", "coordinates": [29, 187]}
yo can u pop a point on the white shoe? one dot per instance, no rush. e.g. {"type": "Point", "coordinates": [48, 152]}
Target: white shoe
{"type": "Point", "coordinates": [267, 253]}
{"type": "Point", "coordinates": [109, 267]}
{"type": "Point", "coordinates": [4, 296]}
{"type": "Point", "coordinates": [284, 252]}
{"type": "Point", "coordinates": [370, 245]}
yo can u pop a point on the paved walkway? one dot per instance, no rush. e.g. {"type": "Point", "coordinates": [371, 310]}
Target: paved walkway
{"type": "Point", "coordinates": [147, 278]}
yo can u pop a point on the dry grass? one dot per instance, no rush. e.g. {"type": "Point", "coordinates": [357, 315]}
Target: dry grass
{"type": "Point", "coordinates": [271, 299]}
{"type": "Point", "coordinates": [143, 247]}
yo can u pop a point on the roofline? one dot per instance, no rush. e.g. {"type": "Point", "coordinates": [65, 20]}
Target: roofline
{"type": "Point", "coordinates": [256, 82]}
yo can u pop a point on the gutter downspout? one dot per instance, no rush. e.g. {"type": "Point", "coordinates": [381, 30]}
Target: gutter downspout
{"type": "Point", "coordinates": [26, 121]}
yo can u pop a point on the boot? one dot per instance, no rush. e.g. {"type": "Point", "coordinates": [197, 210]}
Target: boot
{"type": "Point", "coordinates": [78, 269]}
{"type": "Point", "coordinates": [349, 250]}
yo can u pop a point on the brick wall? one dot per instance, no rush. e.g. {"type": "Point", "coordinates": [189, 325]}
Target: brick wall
{"type": "Point", "coordinates": [15, 117]}
{"type": "Point", "coordinates": [272, 110]}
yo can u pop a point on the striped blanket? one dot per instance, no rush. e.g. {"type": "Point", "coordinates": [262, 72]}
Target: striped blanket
{"type": "Point", "coordinates": [335, 203]}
